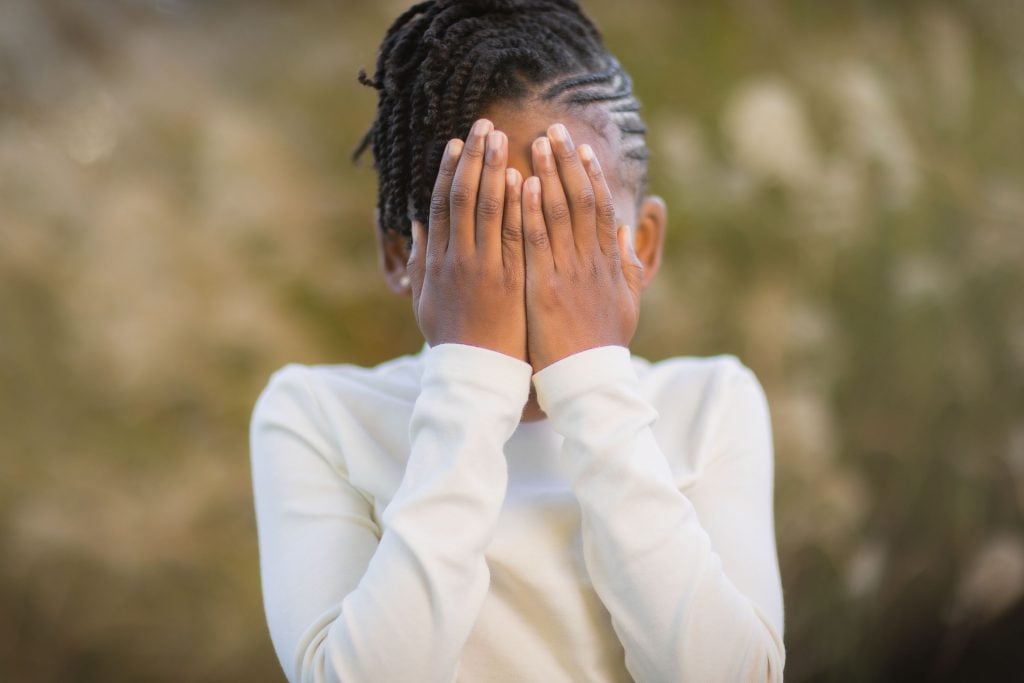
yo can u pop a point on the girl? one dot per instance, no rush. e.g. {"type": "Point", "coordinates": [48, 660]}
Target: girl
{"type": "Point", "coordinates": [523, 500]}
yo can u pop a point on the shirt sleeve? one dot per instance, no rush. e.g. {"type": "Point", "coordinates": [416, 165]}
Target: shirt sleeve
{"type": "Point", "coordinates": [348, 599]}
{"type": "Point", "coordinates": [691, 580]}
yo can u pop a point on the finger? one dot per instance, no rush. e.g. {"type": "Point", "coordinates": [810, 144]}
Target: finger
{"type": "Point", "coordinates": [604, 204]}
{"type": "Point", "coordinates": [536, 243]}
{"type": "Point", "coordinates": [440, 210]}
{"type": "Point", "coordinates": [577, 187]}
{"type": "Point", "coordinates": [465, 186]}
{"type": "Point", "coordinates": [555, 206]}
{"type": "Point", "coordinates": [416, 267]}
{"type": "Point", "coordinates": [632, 266]}
{"type": "Point", "coordinates": [490, 203]}
{"type": "Point", "coordinates": [512, 224]}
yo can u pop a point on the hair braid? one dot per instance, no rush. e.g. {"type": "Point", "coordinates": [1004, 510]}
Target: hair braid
{"type": "Point", "coordinates": [442, 62]}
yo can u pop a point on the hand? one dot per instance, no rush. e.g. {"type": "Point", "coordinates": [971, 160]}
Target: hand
{"type": "Point", "coordinates": [467, 271]}
{"type": "Point", "coordinates": [582, 275]}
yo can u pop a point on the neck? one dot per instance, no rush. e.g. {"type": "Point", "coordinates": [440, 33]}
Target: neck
{"type": "Point", "coordinates": [532, 411]}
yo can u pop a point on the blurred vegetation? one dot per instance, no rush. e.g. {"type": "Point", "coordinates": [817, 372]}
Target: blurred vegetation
{"type": "Point", "coordinates": [179, 217]}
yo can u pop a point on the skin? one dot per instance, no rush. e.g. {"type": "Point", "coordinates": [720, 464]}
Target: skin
{"type": "Point", "coordinates": [537, 246]}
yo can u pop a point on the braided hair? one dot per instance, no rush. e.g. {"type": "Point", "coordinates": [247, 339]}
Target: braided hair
{"type": "Point", "coordinates": [443, 62]}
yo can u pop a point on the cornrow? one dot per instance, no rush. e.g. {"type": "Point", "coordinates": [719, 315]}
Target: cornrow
{"type": "Point", "coordinates": [443, 62]}
{"type": "Point", "coordinates": [614, 88]}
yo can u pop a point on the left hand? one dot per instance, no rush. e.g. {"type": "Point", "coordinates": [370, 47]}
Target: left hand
{"type": "Point", "coordinates": [582, 275]}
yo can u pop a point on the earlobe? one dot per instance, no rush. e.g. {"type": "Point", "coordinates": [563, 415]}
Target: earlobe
{"type": "Point", "coordinates": [649, 236]}
{"type": "Point", "coordinates": [393, 257]}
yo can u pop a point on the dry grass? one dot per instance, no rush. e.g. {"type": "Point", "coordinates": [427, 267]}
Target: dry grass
{"type": "Point", "coordinates": [179, 218]}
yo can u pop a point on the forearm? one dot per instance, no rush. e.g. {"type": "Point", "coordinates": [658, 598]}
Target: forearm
{"type": "Point", "coordinates": [677, 613]}
{"type": "Point", "coordinates": [409, 609]}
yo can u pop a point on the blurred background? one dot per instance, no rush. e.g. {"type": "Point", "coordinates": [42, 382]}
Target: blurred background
{"type": "Point", "coordinates": [179, 217]}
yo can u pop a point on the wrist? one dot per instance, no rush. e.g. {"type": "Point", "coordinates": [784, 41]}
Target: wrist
{"type": "Point", "coordinates": [516, 351]}
{"type": "Point", "coordinates": [478, 366]}
{"type": "Point", "coordinates": [581, 374]}
{"type": "Point", "coordinates": [541, 357]}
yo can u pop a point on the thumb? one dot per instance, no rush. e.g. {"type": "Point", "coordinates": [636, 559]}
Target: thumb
{"type": "Point", "coordinates": [416, 267]}
{"type": "Point", "coordinates": [632, 266]}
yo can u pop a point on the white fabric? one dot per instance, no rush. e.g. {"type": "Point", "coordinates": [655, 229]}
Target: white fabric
{"type": "Point", "coordinates": [411, 529]}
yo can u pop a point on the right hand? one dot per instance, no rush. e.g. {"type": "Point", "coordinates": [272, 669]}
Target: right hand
{"type": "Point", "coordinates": [467, 271]}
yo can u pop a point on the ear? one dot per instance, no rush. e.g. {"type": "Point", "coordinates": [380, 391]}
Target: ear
{"type": "Point", "coordinates": [393, 255]}
{"type": "Point", "coordinates": [649, 236]}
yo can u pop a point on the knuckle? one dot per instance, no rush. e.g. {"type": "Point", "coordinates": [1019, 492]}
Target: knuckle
{"type": "Point", "coordinates": [447, 170]}
{"type": "Point", "coordinates": [435, 266]}
{"type": "Point", "coordinates": [494, 162]}
{"type": "Point", "coordinates": [489, 207]}
{"type": "Point", "coordinates": [462, 197]}
{"type": "Point", "coordinates": [585, 199]}
{"type": "Point", "coordinates": [438, 206]}
{"type": "Point", "coordinates": [493, 278]}
{"type": "Point", "coordinates": [606, 208]}
{"type": "Point", "coordinates": [461, 266]}
{"type": "Point", "coordinates": [550, 290]}
{"type": "Point", "coordinates": [513, 278]}
{"type": "Point", "coordinates": [473, 150]}
{"type": "Point", "coordinates": [445, 173]}
{"type": "Point", "coordinates": [511, 232]}
{"type": "Point", "coordinates": [473, 270]}
{"type": "Point", "coordinates": [559, 211]}
{"type": "Point", "coordinates": [547, 170]}
{"type": "Point", "coordinates": [538, 239]}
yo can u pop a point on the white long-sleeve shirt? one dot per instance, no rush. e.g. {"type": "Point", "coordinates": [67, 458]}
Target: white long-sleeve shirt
{"type": "Point", "coordinates": [412, 529]}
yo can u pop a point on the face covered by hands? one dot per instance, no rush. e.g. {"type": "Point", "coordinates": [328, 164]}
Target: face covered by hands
{"type": "Point", "coordinates": [537, 269]}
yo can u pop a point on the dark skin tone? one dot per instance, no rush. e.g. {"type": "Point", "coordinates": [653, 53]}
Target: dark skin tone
{"type": "Point", "coordinates": [537, 247]}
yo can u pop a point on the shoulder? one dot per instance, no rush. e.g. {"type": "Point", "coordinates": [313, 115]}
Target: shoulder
{"type": "Point", "coordinates": [700, 401]}
{"type": "Point", "coordinates": [348, 416]}
{"type": "Point", "coordinates": [312, 392]}
{"type": "Point", "coordinates": [691, 379]}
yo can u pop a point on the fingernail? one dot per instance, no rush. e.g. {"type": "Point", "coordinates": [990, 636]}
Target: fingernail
{"type": "Point", "coordinates": [532, 185]}
{"type": "Point", "coordinates": [589, 158]}
{"type": "Point", "coordinates": [543, 146]}
{"type": "Point", "coordinates": [560, 132]}
{"type": "Point", "coordinates": [454, 147]}
{"type": "Point", "coordinates": [482, 127]}
{"type": "Point", "coordinates": [511, 177]}
{"type": "Point", "coordinates": [494, 146]}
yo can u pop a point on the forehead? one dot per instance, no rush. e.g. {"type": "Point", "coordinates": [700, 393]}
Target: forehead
{"type": "Point", "coordinates": [526, 120]}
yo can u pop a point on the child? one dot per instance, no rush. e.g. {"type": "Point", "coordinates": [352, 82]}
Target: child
{"type": "Point", "coordinates": [435, 519]}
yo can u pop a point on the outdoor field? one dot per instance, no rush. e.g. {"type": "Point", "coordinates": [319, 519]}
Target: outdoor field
{"type": "Point", "coordinates": [180, 216]}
